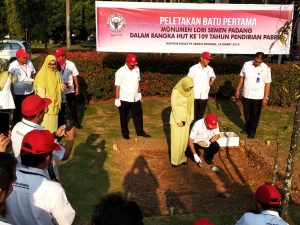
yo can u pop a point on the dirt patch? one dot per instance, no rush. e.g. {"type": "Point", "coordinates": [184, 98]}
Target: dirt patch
{"type": "Point", "coordinates": [160, 189]}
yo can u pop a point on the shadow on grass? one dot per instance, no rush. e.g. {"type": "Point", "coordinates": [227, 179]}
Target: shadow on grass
{"type": "Point", "coordinates": [87, 178]}
{"type": "Point", "coordinates": [140, 185]}
{"type": "Point", "coordinates": [165, 117]}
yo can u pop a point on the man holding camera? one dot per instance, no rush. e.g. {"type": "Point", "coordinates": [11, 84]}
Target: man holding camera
{"type": "Point", "coordinates": [33, 109]}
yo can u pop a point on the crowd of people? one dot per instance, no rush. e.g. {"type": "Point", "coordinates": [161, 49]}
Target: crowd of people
{"type": "Point", "coordinates": [30, 185]}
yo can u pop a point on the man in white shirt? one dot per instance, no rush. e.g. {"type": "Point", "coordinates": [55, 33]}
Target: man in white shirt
{"type": "Point", "coordinates": [24, 69]}
{"type": "Point", "coordinates": [33, 109]}
{"type": "Point", "coordinates": [129, 96]}
{"type": "Point", "coordinates": [205, 134]}
{"type": "Point", "coordinates": [203, 76]}
{"type": "Point", "coordinates": [69, 75]}
{"type": "Point", "coordinates": [255, 78]}
{"type": "Point", "coordinates": [268, 201]}
{"type": "Point", "coordinates": [35, 198]}
{"type": "Point", "coordinates": [7, 178]}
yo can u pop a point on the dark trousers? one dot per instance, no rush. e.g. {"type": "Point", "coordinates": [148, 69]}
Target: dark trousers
{"type": "Point", "coordinates": [209, 152]}
{"type": "Point", "coordinates": [252, 109]}
{"type": "Point", "coordinates": [199, 108]}
{"type": "Point", "coordinates": [17, 117]}
{"type": "Point", "coordinates": [137, 116]}
{"type": "Point", "coordinates": [71, 102]}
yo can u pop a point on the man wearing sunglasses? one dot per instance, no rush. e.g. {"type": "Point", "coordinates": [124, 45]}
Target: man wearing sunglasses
{"type": "Point", "coordinates": [255, 79]}
{"type": "Point", "coordinates": [203, 76]}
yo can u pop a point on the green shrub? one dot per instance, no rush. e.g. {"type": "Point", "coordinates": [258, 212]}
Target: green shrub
{"type": "Point", "coordinates": [160, 73]}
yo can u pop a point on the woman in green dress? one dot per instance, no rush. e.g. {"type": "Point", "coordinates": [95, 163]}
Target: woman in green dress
{"type": "Point", "coordinates": [182, 115]}
{"type": "Point", "coordinates": [48, 84]}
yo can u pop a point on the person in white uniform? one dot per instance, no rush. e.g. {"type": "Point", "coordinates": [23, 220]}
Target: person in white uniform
{"type": "Point", "coordinates": [129, 96]}
{"type": "Point", "coordinates": [24, 69]}
{"type": "Point", "coordinates": [7, 178]}
{"type": "Point", "coordinates": [205, 134]}
{"type": "Point", "coordinates": [33, 109]}
{"type": "Point", "coordinates": [255, 79]}
{"type": "Point", "coordinates": [69, 75]}
{"type": "Point", "coordinates": [35, 198]}
{"type": "Point", "coordinates": [7, 79]}
{"type": "Point", "coordinates": [203, 76]}
{"type": "Point", "coordinates": [268, 201]}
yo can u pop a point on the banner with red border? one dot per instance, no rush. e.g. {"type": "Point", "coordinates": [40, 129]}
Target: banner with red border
{"type": "Point", "coordinates": [191, 28]}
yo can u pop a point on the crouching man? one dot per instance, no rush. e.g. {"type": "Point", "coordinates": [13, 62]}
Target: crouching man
{"type": "Point", "coordinates": [35, 198]}
{"type": "Point", "coordinates": [205, 134]}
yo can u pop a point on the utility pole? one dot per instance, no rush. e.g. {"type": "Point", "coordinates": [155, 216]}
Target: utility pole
{"type": "Point", "coordinates": [68, 36]}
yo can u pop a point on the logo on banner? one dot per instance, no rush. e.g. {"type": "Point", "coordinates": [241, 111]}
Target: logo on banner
{"type": "Point", "coordinates": [116, 22]}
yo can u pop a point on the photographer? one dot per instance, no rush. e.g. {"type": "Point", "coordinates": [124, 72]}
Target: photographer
{"type": "Point", "coordinates": [33, 109]}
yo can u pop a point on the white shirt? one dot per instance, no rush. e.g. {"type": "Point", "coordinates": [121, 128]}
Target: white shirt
{"type": "Point", "coordinates": [3, 221]}
{"type": "Point", "coordinates": [201, 77]}
{"type": "Point", "coordinates": [255, 79]}
{"type": "Point", "coordinates": [200, 132]}
{"type": "Point", "coordinates": [6, 98]}
{"type": "Point", "coordinates": [38, 200]}
{"type": "Point", "coordinates": [67, 73]}
{"type": "Point", "coordinates": [18, 133]}
{"type": "Point", "coordinates": [266, 217]}
{"type": "Point", "coordinates": [128, 80]}
{"type": "Point", "coordinates": [24, 72]}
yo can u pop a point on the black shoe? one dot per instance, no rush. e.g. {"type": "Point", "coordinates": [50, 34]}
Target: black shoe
{"type": "Point", "coordinates": [250, 136]}
{"type": "Point", "coordinates": [126, 137]}
{"type": "Point", "coordinates": [184, 164]}
{"type": "Point", "coordinates": [144, 135]}
{"type": "Point", "coordinates": [174, 166]}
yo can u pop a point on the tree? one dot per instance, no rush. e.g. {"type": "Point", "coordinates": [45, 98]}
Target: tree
{"type": "Point", "coordinates": [13, 19]}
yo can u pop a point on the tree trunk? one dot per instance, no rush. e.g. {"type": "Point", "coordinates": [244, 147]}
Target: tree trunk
{"type": "Point", "coordinates": [68, 36]}
{"type": "Point", "coordinates": [291, 160]}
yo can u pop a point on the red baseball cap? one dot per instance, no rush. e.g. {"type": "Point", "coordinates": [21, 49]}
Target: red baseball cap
{"type": "Point", "coordinates": [39, 142]}
{"type": "Point", "coordinates": [59, 52]}
{"type": "Point", "coordinates": [34, 104]}
{"type": "Point", "coordinates": [268, 194]}
{"type": "Point", "coordinates": [203, 221]}
{"type": "Point", "coordinates": [22, 53]}
{"type": "Point", "coordinates": [131, 59]}
{"type": "Point", "coordinates": [211, 120]}
{"type": "Point", "coordinates": [206, 55]}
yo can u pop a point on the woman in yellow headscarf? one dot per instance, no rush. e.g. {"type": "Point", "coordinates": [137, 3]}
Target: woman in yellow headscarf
{"type": "Point", "coordinates": [182, 115]}
{"type": "Point", "coordinates": [47, 84]}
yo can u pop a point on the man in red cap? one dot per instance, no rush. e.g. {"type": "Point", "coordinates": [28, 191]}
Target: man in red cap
{"type": "Point", "coordinates": [33, 109]}
{"type": "Point", "coordinates": [203, 76]}
{"type": "Point", "coordinates": [268, 201]}
{"type": "Point", "coordinates": [35, 198]}
{"type": "Point", "coordinates": [69, 75]}
{"type": "Point", "coordinates": [25, 71]}
{"type": "Point", "coordinates": [129, 96]}
{"type": "Point", "coordinates": [205, 134]}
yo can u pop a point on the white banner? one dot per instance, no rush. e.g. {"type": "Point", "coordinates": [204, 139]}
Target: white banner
{"type": "Point", "coordinates": [191, 28]}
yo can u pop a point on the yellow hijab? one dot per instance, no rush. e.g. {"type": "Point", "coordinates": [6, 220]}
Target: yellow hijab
{"type": "Point", "coordinates": [47, 83]}
{"type": "Point", "coordinates": [185, 83]}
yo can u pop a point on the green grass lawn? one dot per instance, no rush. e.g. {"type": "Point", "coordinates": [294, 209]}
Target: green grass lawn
{"type": "Point", "coordinates": [92, 171]}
